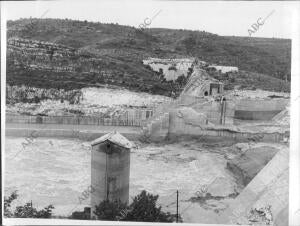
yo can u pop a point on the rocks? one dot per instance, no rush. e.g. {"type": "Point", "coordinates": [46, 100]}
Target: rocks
{"type": "Point", "coordinates": [32, 62]}
{"type": "Point", "coordinates": [39, 55]}
{"type": "Point", "coordinates": [261, 215]}
{"type": "Point", "coordinates": [25, 94]}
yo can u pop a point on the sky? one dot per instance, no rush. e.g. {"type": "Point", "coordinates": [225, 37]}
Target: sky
{"type": "Point", "coordinates": [229, 18]}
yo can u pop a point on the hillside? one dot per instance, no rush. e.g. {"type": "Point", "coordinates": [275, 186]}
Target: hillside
{"type": "Point", "coordinates": [73, 54]}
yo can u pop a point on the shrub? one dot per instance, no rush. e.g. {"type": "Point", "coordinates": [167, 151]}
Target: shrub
{"type": "Point", "coordinates": [142, 209]}
{"type": "Point", "coordinates": [108, 210]}
{"type": "Point", "coordinates": [26, 211]}
{"type": "Point", "coordinates": [172, 68]}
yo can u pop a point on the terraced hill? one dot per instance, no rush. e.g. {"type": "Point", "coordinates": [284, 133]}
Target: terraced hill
{"type": "Point", "coordinates": [74, 54]}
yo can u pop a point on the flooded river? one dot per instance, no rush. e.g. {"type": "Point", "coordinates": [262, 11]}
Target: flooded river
{"type": "Point", "coordinates": [57, 171]}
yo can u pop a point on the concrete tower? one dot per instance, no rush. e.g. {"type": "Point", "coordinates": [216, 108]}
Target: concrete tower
{"type": "Point", "coordinates": [110, 169]}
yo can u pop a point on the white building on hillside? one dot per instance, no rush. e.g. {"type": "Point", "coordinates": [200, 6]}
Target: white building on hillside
{"type": "Point", "coordinates": [224, 69]}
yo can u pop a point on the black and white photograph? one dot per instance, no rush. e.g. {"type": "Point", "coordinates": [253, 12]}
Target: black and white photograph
{"type": "Point", "coordinates": [127, 112]}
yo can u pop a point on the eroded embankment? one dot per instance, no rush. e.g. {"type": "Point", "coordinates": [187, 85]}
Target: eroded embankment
{"type": "Point", "coordinates": [212, 199]}
{"type": "Point", "coordinates": [264, 201]}
{"type": "Point", "coordinates": [247, 164]}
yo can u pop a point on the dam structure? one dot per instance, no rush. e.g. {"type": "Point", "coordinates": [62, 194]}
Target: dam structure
{"type": "Point", "coordinates": [110, 169]}
{"type": "Point", "coordinates": [205, 108]}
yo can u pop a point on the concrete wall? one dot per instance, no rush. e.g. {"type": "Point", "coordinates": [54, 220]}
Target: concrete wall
{"type": "Point", "coordinates": [179, 127]}
{"type": "Point", "coordinates": [157, 129]}
{"type": "Point", "coordinates": [134, 117]}
{"type": "Point", "coordinates": [206, 111]}
{"type": "Point", "coordinates": [217, 112]}
{"type": "Point", "coordinates": [110, 170]}
{"type": "Point", "coordinates": [244, 109]}
{"type": "Point", "coordinates": [64, 133]}
{"type": "Point", "coordinates": [269, 187]}
{"type": "Point", "coordinates": [241, 109]}
{"type": "Point", "coordinates": [259, 109]}
{"type": "Point", "coordinates": [255, 115]}
{"type": "Point", "coordinates": [224, 69]}
{"type": "Point", "coordinates": [181, 65]}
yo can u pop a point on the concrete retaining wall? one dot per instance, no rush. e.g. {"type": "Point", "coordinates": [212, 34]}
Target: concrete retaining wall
{"type": "Point", "coordinates": [223, 113]}
{"type": "Point", "coordinates": [64, 133]}
{"type": "Point", "coordinates": [242, 109]}
{"type": "Point", "coordinates": [261, 105]}
{"type": "Point", "coordinates": [217, 112]}
{"type": "Point", "coordinates": [129, 118]}
{"type": "Point", "coordinates": [255, 115]}
{"type": "Point", "coordinates": [259, 109]}
{"type": "Point", "coordinates": [178, 127]}
{"type": "Point", "coordinates": [238, 137]}
{"type": "Point", "coordinates": [157, 129]}
{"type": "Point", "coordinates": [269, 187]}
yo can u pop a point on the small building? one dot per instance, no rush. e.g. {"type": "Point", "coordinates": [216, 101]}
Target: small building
{"type": "Point", "coordinates": [222, 69]}
{"type": "Point", "coordinates": [110, 169]}
{"type": "Point", "coordinates": [82, 215]}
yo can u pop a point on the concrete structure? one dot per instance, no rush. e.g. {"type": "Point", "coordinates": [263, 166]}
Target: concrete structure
{"type": "Point", "coordinates": [204, 109]}
{"type": "Point", "coordinates": [82, 132]}
{"type": "Point", "coordinates": [218, 118]}
{"type": "Point", "coordinates": [171, 68]}
{"type": "Point", "coordinates": [264, 109]}
{"type": "Point", "coordinates": [223, 69]}
{"type": "Point", "coordinates": [201, 84]}
{"type": "Point", "coordinates": [270, 187]}
{"type": "Point", "coordinates": [128, 117]}
{"type": "Point", "coordinates": [110, 169]}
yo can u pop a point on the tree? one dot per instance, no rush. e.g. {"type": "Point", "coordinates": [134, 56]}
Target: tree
{"type": "Point", "coordinates": [108, 210]}
{"type": "Point", "coordinates": [45, 213]}
{"type": "Point", "coordinates": [143, 208]}
{"type": "Point", "coordinates": [172, 68]}
{"type": "Point", "coordinates": [181, 80]}
{"type": "Point", "coordinates": [190, 71]}
{"type": "Point", "coordinates": [189, 43]}
{"type": "Point", "coordinates": [26, 211]}
{"type": "Point", "coordinates": [7, 204]}
{"type": "Point", "coordinates": [161, 73]}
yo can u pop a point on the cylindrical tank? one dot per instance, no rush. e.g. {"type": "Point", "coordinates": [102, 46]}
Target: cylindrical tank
{"type": "Point", "coordinates": [110, 169]}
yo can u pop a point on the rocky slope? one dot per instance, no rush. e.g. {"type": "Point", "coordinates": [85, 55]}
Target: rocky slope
{"type": "Point", "coordinates": [33, 62]}
{"type": "Point", "coordinates": [91, 101]}
{"type": "Point", "coordinates": [74, 54]}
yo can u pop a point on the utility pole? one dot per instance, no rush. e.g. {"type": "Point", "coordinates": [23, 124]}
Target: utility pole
{"type": "Point", "coordinates": [31, 208]}
{"type": "Point", "coordinates": [177, 208]}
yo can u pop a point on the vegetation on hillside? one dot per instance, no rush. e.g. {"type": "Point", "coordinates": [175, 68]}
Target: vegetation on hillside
{"type": "Point", "coordinates": [122, 49]}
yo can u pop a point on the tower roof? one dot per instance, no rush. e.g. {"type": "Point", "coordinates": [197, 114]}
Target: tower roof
{"type": "Point", "coordinates": [116, 138]}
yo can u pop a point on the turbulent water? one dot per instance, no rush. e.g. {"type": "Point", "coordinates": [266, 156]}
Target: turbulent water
{"type": "Point", "coordinates": [55, 171]}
